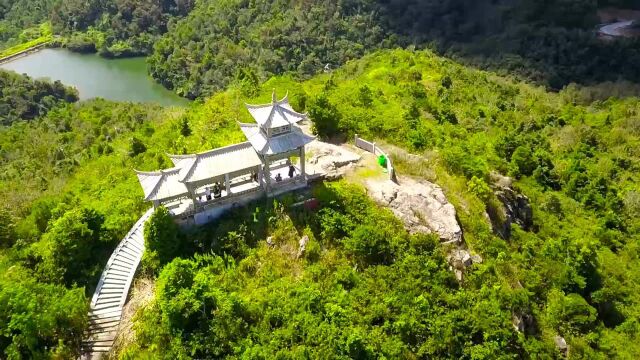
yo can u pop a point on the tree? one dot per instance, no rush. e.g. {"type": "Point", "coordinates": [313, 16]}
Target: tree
{"type": "Point", "coordinates": [365, 96]}
{"type": "Point", "coordinates": [412, 115]}
{"type": "Point", "coordinates": [480, 188]}
{"type": "Point", "coordinates": [23, 98]}
{"type": "Point", "coordinates": [136, 147]}
{"type": "Point", "coordinates": [371, 244]}
{"type": "Point", "coordinates": [325, 116]}
{"type": "Point", "coordinates": [571, 314]}
{"type": "Point", "coordinates": [39, 320]}
{"type": "Point", "coordinates": [522, 162]}
{"type": "Point", "coordinates": [161, 235]}
{"type": "Point", "coordinates": [185, 130]}
{"type": "Point", "coordinates": [70, 247]}
{"type": "Point", "coordinates": [7, 231]}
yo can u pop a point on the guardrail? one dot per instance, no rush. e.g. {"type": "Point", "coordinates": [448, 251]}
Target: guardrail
{"type": "Point", "coordinates": [376, 150]}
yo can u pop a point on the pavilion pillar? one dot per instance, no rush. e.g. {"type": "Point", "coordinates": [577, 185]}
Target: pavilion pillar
{"type": "Point", "coordinates": [192, 194]}
{"type": "Point", "coordinates": [302, 163]}
{"type": "Point", "coordinates": [227, 184]}
{"type": "Point", "coordinates": [267, 174]}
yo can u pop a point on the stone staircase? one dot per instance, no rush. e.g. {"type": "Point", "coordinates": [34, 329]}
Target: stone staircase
{"type": "Point", "coordinates": [112, 290]}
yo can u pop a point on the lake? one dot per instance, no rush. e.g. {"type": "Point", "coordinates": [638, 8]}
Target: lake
{"type": "Point", "coordinates": [94, 76]}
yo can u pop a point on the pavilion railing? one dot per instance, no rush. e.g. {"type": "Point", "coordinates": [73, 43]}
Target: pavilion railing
{"type": "Point", "coordinates": [376, 150]}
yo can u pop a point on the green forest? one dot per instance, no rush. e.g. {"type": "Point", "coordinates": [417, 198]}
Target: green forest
{"type": "Point", "coordinates": [22, 98]}
{"type": "Point", "coordinates": [197, 48]}
{"type": "Point", "coordinates": [365, 289]}
{"type": "Point", "coordinates": [461, 91]}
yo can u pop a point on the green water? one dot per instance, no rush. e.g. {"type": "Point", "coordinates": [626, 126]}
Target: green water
{"type": "Point", "coordinates": [93, 76]}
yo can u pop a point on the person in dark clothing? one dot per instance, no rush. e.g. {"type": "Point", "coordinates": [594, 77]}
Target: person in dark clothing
{"type": "Point", "coordinates": [292, 170]}
{"type": "Point", "coordinates": [217, 192]}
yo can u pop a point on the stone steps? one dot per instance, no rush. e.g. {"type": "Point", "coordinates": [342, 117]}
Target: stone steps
{"type": "Point", "coordinates": [108, 299]}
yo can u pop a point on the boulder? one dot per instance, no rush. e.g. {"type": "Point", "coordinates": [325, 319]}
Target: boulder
{"type": "Point", "coordinates": [476, 259]}
{"type": "Point", "coordinates": [517, 322]}
{"type": "Point", "coordinates": [460, 258]}
{"type": "Point", "coordinates": [523, 322]}
{"type": "Point", "coordinates": [514, 208]}
{"type": "Point", "coordinates": [302, 245]}
{"type": "Point", "coordinates": [561, 345]}
{"type": "Point", "coordinates": [458, 274]}
{"type": "Point", "coordinates": [421, 205]}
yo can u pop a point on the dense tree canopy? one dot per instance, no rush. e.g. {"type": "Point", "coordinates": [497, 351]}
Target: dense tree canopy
{"type": "Point", "coordinates": [208, 44]}
{"type": "Point", "coordinates": [208, 49]}
{"type": "Point", "coordinates": [22, 98]}
{"type": "Point", "coordinates": [551, 42]}
{"type": "Point", "coordinates": [19, 20]}
{"type": "Point", "coordinates": [116, 27]}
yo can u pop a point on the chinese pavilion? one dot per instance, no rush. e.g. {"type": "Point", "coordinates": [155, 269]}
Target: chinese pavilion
{"type": "Point", "coordinates": [262, 165]}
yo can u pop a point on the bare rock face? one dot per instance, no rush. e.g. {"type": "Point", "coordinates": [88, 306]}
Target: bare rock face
{"type": "Point", "coordinates": [330, 161]}
{"type": "Point", "coordinates": [515, 208]}
{"type": "Point", "coordinates": [421, 205]}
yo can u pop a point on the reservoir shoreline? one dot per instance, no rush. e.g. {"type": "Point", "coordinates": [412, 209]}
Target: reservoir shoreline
{"type": "Point", "coordinates": [94, 76]}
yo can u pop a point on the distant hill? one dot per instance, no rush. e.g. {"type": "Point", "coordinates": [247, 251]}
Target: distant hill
{"type": "Point", "coordinates": [553, 43]}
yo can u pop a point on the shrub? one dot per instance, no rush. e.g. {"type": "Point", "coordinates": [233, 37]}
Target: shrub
{"type": "Point", "coordinates": [161, 237]}
{"type": "Point", "coordinates": [522, 162]}
{"type": "Point", "coordinates": [136, 147]}
{"type": "Point", "coordinates": [70, 246]}
{"type": "Point", "coordinates": [325, 116]}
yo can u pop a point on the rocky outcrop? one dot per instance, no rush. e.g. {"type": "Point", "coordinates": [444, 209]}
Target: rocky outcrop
{"type": "Point", "coordinates": [421, 205]}
{"type": "Point", "coordinates": [330, 161]}
{"type": "Point", "coordinates": [514, 208]}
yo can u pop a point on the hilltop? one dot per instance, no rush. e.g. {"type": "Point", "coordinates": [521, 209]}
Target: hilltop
{"type": "Point", "coordinates": [69, 193]}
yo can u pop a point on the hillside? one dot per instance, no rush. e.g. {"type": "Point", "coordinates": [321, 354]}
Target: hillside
{"type": "Point", "coordinates": [574, 271]}
{"type": "Point", "coordinates": [553, 43]}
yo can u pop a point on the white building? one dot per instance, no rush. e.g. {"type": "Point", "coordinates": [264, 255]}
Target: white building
{"type": "Point", "coordinates": [204, 185]}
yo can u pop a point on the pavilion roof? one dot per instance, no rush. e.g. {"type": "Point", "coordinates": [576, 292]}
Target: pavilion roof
{"type": "Point", "coordinates": [215, 163]}
{"type": "Point", "coordinates": [275, 144]}
{"type": "Point", "coordinates": [276, 114]}
{"type": "Point", "coordinates": [161, 185]}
